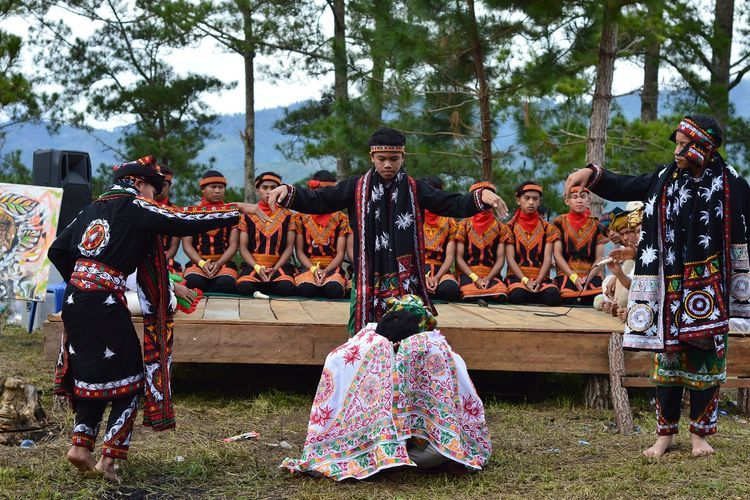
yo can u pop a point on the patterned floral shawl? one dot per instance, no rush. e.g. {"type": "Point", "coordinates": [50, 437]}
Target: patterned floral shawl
{"type": "Point", "coordinates": [692, 265]}
{"type": "Point", "coordinates": [370, 400]}
{"type": "Point", "coordinates": [391, 244]}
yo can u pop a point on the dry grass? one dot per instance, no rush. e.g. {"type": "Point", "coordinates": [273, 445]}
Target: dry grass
{"type": "Point", "coordinates": [537, 450]}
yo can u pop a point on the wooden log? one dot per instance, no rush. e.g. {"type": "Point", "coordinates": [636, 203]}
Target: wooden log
{"type": "Point", "coordinates": [743, 400]}
{"type": "Point", "coordinates": [620, 401]}
{"type": "Point", "coordinates": [596, 391]}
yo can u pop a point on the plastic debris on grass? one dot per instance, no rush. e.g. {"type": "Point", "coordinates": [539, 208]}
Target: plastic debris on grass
{"type": "Point", "coordinates": [242, 437]}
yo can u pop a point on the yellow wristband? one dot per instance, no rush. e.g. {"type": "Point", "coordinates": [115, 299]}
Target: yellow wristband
{"type": "Point", "coordinates": [314, 268]}
{"type": "Point", "coordinates": [574, 277]}
{"type": "Point", "coordinates": [256, 267]}
{"type": "Point", "coordinates": [473, 277]}
{"type": "Point", "coordinates": [201, 263]}
{"type": "Point", "coordinates": [524, 280]}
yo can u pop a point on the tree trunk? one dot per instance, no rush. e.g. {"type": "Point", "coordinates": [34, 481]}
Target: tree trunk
{"type": "Point", "coordinates": [340, 87]}
{"type": "Point", "coordinates": [248, 135]}
{"type": "Point", "coordinates": [721, 57]}
{"type": "Point", "coordinates": [743, 401]}
{"type": "Point", "coordinates": [651, 62]}
{"type": "Point", "coordinates": [620, 401]}
{"type": "Point", "coordinates": [485, 116]}
{"type": "Point", "coordinates": [605, 69]}
{"type": "Point", "coordinates": [596, 391]}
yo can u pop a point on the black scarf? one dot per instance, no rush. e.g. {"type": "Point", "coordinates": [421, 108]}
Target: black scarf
{"type": "Point", "coordinates": [391, 244]}
{"type": "Point", "coordinates": [680, 292]}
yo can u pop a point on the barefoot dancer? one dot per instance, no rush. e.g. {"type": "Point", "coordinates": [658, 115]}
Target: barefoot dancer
{"type": "Point", "coordinates": [100, 358]}
{"type": "Point", "coordinates": [691, 274]}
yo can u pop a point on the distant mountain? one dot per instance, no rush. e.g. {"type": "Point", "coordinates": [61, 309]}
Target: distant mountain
{"type": "Point", "coordinates": [227, 148]}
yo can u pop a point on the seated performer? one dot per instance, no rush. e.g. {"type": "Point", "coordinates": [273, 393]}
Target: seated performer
{"type": "Point", "coordinates": [581, 245]}
{"type": "Point", "coordinates": [395, 394]}
{"type": "Point", "coordinates": [266, 247]}
{"type": "Point", "coordinates": [529, 251]}
{"type": "Point", "coordinates": [171, 243]}
{"type": "Point", "coordinates": [622, 256]}
{"type": "Point", "coordinates": [211, 253]}
{"type": "Point", "coordinates": [440, 251]}
{"type": "Point", "coordinates": [619, 234]}
{"type": "Point", "coordinates": [321, 245]}
{"type": "Point", "coordinates": [480, 253]}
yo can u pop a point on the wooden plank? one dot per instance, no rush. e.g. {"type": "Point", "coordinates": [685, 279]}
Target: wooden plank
{"type": "Point", "coordinates": [223, 309]}
{"type": "Point", "coordinates": [256, 310]}
{"type": "Point", "coordinates": [454, 315]}
{"type": "Point", "coordinates": [200, 309]}
{"type": "Point", "coordinates": [290, 311]}
{"type": "Point", "coordinates": [327, 313]}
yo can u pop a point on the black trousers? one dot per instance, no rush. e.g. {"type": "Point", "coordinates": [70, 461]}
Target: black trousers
{"type": "Point", "coordinates": [704, 410]}
{"type": "Point", "coordinates": [89, 415]}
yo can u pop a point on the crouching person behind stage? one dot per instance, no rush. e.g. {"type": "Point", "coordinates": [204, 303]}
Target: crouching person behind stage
{"type": "Point", "coordinates": [267, 246]}
{"type": "Point", "coordinates": [480, 253]}
{"type": "Point", "coordinates": [211, 253]}
{"type": "Point", "coordinates": [403, 397]}
{"type": "Point", "coordinates": [581, 245]}
{"type": "Point", "coordinates": [321, 246]}
{"type": "Point", "coordinates": [529, 251]}
{"type": "Point", "coordinates": [440, 251]}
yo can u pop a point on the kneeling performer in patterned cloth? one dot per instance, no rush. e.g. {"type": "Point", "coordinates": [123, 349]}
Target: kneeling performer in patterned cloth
{"type": "Point", "coordinates": [211, 253]}
{"type": "Point", "coordinates": [267, 245]}
{"type": "Point", "coordinates": [395, 394]}
{"type": "Point", "coordinates": [321, 247]}
{"type": "Point", "coordinates": [100, 359]}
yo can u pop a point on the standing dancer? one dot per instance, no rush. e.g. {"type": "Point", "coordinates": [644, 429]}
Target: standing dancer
{"type": "Point", "coordinates": [386, 212]}
{"type": "Point", "coordinates": [691, 276]}
{"type": "Point", "coordinates": [100, 357]}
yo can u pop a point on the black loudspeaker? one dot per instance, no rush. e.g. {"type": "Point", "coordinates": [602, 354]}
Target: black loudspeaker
{"type": "Point", "coordinates": [70, 170]}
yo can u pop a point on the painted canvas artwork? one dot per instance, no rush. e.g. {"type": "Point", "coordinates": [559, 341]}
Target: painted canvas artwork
{"type": "Point", "coordinates": [28, 224]}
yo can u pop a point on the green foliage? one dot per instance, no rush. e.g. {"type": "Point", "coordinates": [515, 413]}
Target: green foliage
{"type": "Point", "coordinates": [120, 71]}
{"type": "Point", "coordinates": [12, 170]}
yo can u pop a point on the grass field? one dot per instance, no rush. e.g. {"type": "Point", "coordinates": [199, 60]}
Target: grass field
{"type": "Point", "coordinates": [551, 447]}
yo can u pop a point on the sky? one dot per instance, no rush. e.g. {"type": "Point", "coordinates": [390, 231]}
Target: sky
{"type": "Point", "coordinates": [211, 60]}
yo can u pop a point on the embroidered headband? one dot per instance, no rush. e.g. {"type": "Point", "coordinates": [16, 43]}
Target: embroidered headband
{"type": "Point", "coordinates": [483, 185]}
{"type": "Point", "coordinates": [267, 176]}
{"type": "Point", "coordinates": [143, 168]}
{"type": "Point", "coordinates": [529, 187]}
{"type": "Point", "coordinates": [217, 179]}
{"type": "Point", "coordinates": [702, 145]}
{"type": "Point", "coordinates": [387, 149]}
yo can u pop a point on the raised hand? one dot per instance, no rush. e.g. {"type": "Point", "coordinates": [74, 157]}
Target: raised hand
{"type": "Point", "coordinates": [252, 209]}
{"type": "Point", "coordinates": [277, 195]}
{"type": "Point", "coordinates": [579, 178]}
{"type": "Point", "coordinates": [497, 203]}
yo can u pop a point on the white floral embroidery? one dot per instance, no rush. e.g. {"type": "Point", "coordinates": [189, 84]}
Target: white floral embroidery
{"type": "Point", "coordinates": [404, 220]}
{"type": "Point", "coordinates": [670, 256]}
{"type": "Point", "coordinates": [705, 216]}
{"type": "Point", "coordinates": [394, 195]}
{"type": "Point", "coordinates": [649, 208]}
{"type": "Point", "coordinates": [719, 209]}
{"type": "Point", "coordinates": [377, 192]}
{"type": "Point", "coordinates": [705, 240]}
{"type": "Point", "coordinates": [108, 353]}
{"type": "Point", "coordinates": [649, 255]}
{"type": "Point", "coordinates": [684, 195]}
{"type": "Point", "coordinates": [109, 300]}
{"type": "Point", "coordinates": [70, 299]}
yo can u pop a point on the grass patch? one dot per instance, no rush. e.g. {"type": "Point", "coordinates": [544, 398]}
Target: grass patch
{"type": "Point", "coordinates": [538, 436]}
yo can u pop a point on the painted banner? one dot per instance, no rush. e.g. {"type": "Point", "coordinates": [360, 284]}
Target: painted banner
{"type": "Point", "coordinates": [28, 225]}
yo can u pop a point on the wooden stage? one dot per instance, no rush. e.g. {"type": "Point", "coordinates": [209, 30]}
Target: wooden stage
{"type": "Point", "coordinates": [501, 337]}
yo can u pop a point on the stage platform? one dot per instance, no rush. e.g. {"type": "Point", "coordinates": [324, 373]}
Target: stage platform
{"type": "Point", "coordinates": [501, 337]}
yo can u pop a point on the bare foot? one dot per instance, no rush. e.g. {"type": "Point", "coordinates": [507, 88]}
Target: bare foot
{"type": "Point", "coordinates": [81, 457]}
{"type": "Point", "coordinates": [700, 446]}
{"type": "Point", "coordinates": [106, 467]}
{"type": "Point", "coordinates": [660, 447]}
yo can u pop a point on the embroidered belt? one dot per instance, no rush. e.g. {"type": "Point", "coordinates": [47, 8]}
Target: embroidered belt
{"type": "Point", "coordinates": [92, 276]}
{"type": "Point", "coordinates": [265, 259]}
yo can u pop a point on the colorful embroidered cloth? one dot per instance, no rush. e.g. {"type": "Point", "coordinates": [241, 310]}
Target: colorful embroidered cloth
{"type": "Point", "coordinates": [370, 400]}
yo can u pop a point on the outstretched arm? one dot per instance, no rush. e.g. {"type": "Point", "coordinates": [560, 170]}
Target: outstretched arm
{"type": "Point", "coordinates": [609, 185]}
{"type": "Point", "coordinates": [459, 205]}
{"type": "Point", "coordinates": [314, 201]}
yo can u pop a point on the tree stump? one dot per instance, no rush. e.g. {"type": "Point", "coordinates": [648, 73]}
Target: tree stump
{"type": "Point", "coordinates": [596, 391]}
{"type": "Point", "coordinates": [620, 401]}
{"type": "Point", "coordinates": [743, 401]}
{"type": "Point", "coordinates": [21, 414]}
